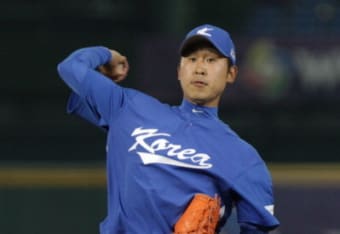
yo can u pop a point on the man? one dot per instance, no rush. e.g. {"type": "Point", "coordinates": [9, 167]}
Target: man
{"type": "Point", "coordinates": [168, 165]}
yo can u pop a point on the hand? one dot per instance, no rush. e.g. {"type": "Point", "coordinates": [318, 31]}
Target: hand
{"type": "Point", "coordinates": [116, 69]}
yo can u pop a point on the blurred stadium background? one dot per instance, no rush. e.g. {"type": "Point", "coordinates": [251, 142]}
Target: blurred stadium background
{"type": "Point", "coordinates": [285, 102]}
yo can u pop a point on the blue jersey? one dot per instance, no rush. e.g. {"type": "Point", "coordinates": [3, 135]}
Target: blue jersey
{"type": "Point", "coordinates": [160, 156]}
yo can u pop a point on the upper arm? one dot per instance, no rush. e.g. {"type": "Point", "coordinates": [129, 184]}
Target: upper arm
{"type": "Point", "coordinates": [79, 72]}
{"type": "Point", "coordinates": [254, 197]}
{"type": "Point", "coordinates": [79, 106]}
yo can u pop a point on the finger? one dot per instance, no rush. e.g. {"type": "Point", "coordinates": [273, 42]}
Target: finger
{"type": "Point", "coordinates": [124, 64]}
{"type": "Point", "coordinates": [120, 72]}
{"type": "Point", "coordinates": [119, 78]}
{"type": "Point", "coordinates": [122, 68]}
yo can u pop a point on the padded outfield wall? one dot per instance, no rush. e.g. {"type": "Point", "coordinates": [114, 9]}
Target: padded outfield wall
{"type": "Point", "coordinates": [71, 198]}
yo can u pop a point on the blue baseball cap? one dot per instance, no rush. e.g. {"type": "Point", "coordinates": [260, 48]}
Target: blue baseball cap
{"type": "Point", "coordinates": [218, 37]}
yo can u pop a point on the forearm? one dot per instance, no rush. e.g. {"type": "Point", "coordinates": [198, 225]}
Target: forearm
{"type": "Point", "coordinates": [75, 67]}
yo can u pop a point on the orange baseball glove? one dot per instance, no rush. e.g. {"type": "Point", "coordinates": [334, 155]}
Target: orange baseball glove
{"type": "Point", "coordinates": [200, 217]}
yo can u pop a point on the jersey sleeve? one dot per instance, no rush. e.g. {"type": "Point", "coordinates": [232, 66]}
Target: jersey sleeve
{"type": "Point", "coordinates": [254, 197]}
{"type": "Point", "coordinates": [77, 105]}
{"type": "Point", "coordinates": [99, 97]}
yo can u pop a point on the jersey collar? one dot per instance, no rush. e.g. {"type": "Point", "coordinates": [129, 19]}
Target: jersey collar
{"type": "Point", "coordinates": [198, 110]}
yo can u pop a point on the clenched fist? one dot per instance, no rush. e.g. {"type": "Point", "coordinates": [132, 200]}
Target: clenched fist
{"type": "Point", "coordinates": [116, 69]}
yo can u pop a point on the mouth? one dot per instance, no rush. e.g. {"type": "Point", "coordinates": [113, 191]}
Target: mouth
{"type": "Point", "coordinates": [199, 83]}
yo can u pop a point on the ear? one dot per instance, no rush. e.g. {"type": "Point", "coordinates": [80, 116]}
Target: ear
{"type": "Point", "coordinates": [232, 74]}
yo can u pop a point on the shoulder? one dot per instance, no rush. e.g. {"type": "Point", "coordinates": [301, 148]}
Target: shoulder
{"type": "Point", "coordinates": [140, 97]}
{"type": "Point", "coordinates": [144, 103]}
{"type": "Point", "coordinates": [241, 144]}
{"type": "Point", "coordinates": [241, 153]}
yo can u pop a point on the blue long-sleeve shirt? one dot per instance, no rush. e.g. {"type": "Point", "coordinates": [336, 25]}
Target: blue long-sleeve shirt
{"type": "Point", "coordinates": [159, 156]}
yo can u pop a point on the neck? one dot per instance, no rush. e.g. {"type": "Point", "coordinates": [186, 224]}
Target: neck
{"type": "Point", "coordinates": [202, 103]}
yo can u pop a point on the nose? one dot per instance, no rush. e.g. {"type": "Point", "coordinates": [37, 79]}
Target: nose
{"type": "Point", "coordinates": [200, 69]}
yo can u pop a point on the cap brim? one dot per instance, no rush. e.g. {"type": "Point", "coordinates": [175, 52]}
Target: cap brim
{"type": "Point", "coordinates": [190, 42]}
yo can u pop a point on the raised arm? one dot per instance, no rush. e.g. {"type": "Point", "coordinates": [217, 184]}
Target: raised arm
{"type": "Point", "coordinates": [75, 67]}
{"type": "Point", "coordinates": [88, 72]}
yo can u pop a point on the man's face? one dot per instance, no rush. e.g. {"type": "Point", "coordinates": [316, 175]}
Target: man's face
{"type": "Point", "coordinates": [203, 75]}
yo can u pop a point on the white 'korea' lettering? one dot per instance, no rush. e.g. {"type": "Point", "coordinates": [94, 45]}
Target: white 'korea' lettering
{"type": "Point", "coordinates": [175, 154]}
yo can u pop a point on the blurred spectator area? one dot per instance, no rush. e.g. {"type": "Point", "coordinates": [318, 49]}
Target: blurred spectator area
{"type": "Point", "coordinates": [285, 101]}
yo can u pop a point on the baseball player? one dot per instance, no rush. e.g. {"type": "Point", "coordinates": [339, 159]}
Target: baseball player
{"type": "Point", "coordinates": [172, 169]}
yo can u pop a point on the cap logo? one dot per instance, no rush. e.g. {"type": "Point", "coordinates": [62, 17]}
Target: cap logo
{"type": "Point", "coordinates": [204, 31]}
{"type": "Point", "coordinates": [232, 54]}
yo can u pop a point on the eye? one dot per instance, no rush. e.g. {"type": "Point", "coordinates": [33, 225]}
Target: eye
{"type": "Point", "coordinates": [192, 59]}
{"type": "Point", "coordinates": [211, 60]}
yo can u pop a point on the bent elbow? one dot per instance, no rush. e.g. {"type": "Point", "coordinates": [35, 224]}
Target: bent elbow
{"type": "Point", "coordinates": [64, 69]}
{"type": "Point", "coordinates": [73, 73]}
